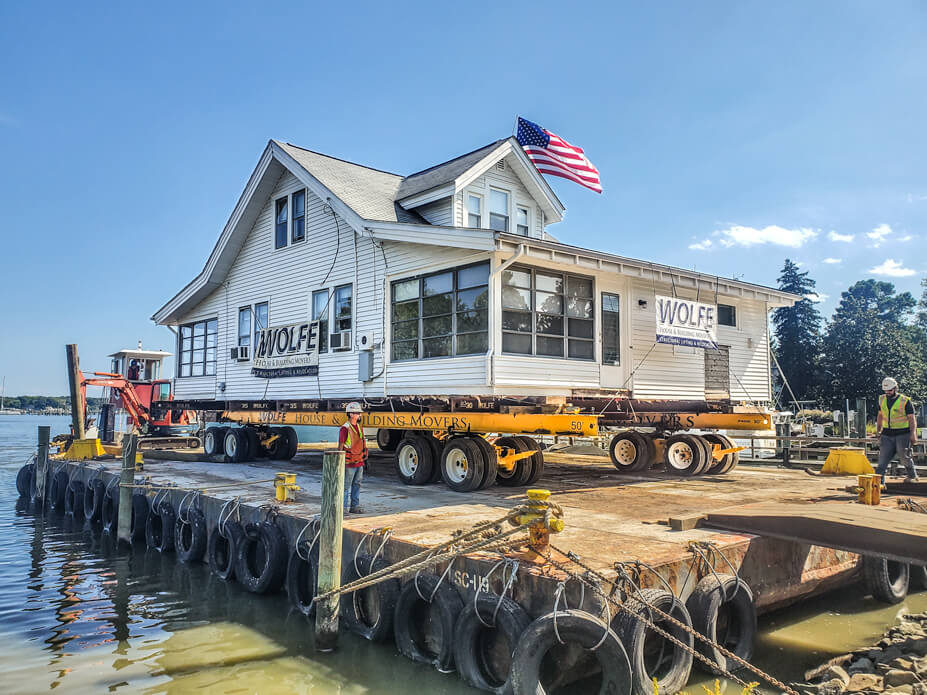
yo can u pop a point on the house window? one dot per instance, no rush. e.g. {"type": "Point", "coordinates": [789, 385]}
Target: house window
{"type": "Point", "coordinates": [547, 314]}
{"type": "Point", "coordinates": [244, 327]}
{"type": "Point", "coordinates": [521, 220]}
{"type": "Point", "coordinates": [727, 315]}
{"type": "Point", "coordinates": [474, 210]}
{"type": "Point", "coordinates": [611, 330]}
{"type": "Point", "coordinates": [441, 314]}
{"type": "Point", "coordinates": [498, 210]}
{"type": "Point", "coordinates": [198, 348]}
{"type": "Point", "coordinates": [320, 314]}
{"type": "Point", "coordinates": [342, 320]}
{"type": "Point", "coordinates": [299, 216]}
{"type": "Point", "coordinates": [280, 228]}
{"type": "Point", "coordinates": [260, 321]}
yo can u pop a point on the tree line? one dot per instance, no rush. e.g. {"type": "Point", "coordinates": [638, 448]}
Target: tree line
{"type": "Point", "coordinates": [43, 402]}
{"type": "Point", "coordinates": [874, 332]}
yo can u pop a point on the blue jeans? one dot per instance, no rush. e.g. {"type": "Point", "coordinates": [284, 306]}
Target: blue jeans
{"type": "Point", "coordinates": [889, 445]}
{"type": "Point", "coordinates": [352, 484]}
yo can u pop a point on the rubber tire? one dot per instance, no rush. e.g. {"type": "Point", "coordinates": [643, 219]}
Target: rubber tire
{"type": "Point", "coordinates": [728, 443]}
{"type": "Point", "coordinates": [56, 491]}
{"type": "Point", "coordinates": [74, 498]}
{"type": "Point", "coordinates": [444, 611]}
{"type": "Point", "coordinates": [236, 442]}
{"type": "Point", "coordinates": [141, 508]}
{"type": "Point", "coordinates": [190, 538]}
{"type": "Point", "coordinates": [437, 448]}
{"type": "Point", "coordinates": [270, 576]}
{"type": "Point", "coordinates": [93, 500]}
{"type": "Point", "coordinates": [537, 459]}
{"type": "Point", "coordinates": [644, 448]}
{"type": "Point", "coordinates": [159, 527]}
{"type": "Point", "coordinates": [634, 636]}
{"type": "Point", "coordinates": [109, 514]}
{"type": "Point", "coordinates": [24, 480]}
{"type": "Point", "coordinates": [384, 595]}
{"type": "Point", "coordinates": [491, 461]}
{"type": "Point", "coordinates": [877, 577]}
{"type": "Point", "coordinates": [470, 644]}
{"type": "Point", "coordinates": [575, 627]}
{"type": "Point", "coordinates": [696, 448]}
{"type": "Point", "coordinates": [221, 551]}
{"type": "Point", "coordinates": [424, 452]}
{"type": "Point", "coordinates": [278, 447]}
{"type": "Point", "coordinates": [704, 604]}
{"type": "Point", "coordinates": [215, 436]}
{"type": "Point", "coordinates": [706, 450]}
{"type": "Point", "coordinates": [302, 581]}
{"type": "Point", "coordinates": [918, 579]}
{"type": "Point", "coordinates": [254, 445]}
{"type": "Point", "coordinates": [292, 443]}
{"type": "Point", "coordinates": [714, 467]}
{"type": "Point", "coordinates": [475, 464]}
{"type": "Point", "coordinates": [388, 440]}
{"type": "Point", "coordinates": [522, 467]}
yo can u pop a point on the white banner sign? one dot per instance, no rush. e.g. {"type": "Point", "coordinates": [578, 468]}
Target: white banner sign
{"type": "Point", "coordinates": [684, 322]}
{"type": "Point", "coordinates": [291, 350]}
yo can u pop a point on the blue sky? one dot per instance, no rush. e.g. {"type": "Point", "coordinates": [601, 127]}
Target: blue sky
{"type": "Point", "coordinates": [729, 136]}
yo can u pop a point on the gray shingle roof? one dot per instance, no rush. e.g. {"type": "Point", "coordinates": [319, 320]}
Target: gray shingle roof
{"type": "Point", "coordinates": [441, 174]}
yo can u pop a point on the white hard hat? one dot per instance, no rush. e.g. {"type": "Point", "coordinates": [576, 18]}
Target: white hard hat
{"type": "Point", "coordinates": [353, 407]}
{"type": "Point", "coordinates": [888, 384]}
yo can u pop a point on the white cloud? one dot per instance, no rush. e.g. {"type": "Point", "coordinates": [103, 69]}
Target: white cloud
{"type": "Point", "coordinates": [892, 268]}
{"type": "Point", "coordinates": [906, 237]}
{"type": "Point", "coordinates": [833, 261]}
{"type": "Point", "coordinates": [701, 245]}
{"type": "Point", "coordinates": [738, 235]}
{"type": "Point", "coordinates": [817, 297]}
{"type": "Point", "coordinates": [845, 238]}
{"type": "Point", "coordinates": [879, 234]}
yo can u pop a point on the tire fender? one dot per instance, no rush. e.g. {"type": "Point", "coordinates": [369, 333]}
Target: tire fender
{"type": "Point", "coordinates": [222, 549]}
{"type": "Point", "coordinates": [886, 580]}
{"type": "Point", "coordinates": [93, 500]}
{"type": "Point", "coordinates": [24, 480]}
{"type": "Point", "coordinates": [139, 521]}
{"type": "Point", "coordinates": [159, 527]}
{"type": "Point", "coordinates": [74, 498]}
{"type": "Point", "coordinates": [379, 600]}
{"type": "Point", "coordinates": [59, 485]}
{"type": "Point", "coordinates": [302, 579]}
{"type": "Point", "coordinates": [445, 606]}
{"type": "Point", "coordinates": [190, 536]}
{"type": "Point", "coordinates": [261, 560]}
{"type": "Point", "coordinates": [492, 616]}
{"type": "Point", "coordinates": [706, 601]}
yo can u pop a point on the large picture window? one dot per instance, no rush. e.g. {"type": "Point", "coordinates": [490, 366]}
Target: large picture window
{"type": "Point", "coordinates": [547, 314]}
{"type": "Point", "coordinates": [198, 348]}
{"type": "Point", "coordinates": [442, 314]}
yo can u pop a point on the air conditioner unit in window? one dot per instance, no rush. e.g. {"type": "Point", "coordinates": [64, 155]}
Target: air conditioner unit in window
{"type": "Point", "coordinates": [340, 341]}
{"type": "Point", "coordinates": [240, 353]}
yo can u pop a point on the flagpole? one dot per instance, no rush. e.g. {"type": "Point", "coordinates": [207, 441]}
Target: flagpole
{"type": "Point", "coordinates": [515, 126]}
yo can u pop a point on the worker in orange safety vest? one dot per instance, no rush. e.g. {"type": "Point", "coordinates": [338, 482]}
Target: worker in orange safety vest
{"type": "Point", "coordinates": [351, 441]}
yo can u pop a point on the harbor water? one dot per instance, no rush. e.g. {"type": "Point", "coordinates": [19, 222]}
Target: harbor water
{"type": "Point", "coordinates": [79, 615]}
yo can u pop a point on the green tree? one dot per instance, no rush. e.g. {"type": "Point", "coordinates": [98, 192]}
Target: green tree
{"type": "Point", "coordinates": [921, 319]}
{"type": "Point", "coordinates": [869, 338]}
{"type": "Point", "coordinates": [798, 334]}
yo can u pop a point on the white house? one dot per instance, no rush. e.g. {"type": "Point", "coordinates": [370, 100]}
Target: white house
{"type": "Point", "coordinates": [446, 282]}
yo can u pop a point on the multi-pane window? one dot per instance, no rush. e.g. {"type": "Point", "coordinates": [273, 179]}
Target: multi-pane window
{"type": "Point", "coordinates": [280, 222]}
{"type": "Point", "coordinates": [198, 348]}
{"type": "Point", "coordinates": [547, 314]}
{"type": "Point", "coordinates": [342, 306]}
{"type": "Point", "coordinates": [611, 330]}
{"type": "Point", "coordinates": [299, 216]}
{"type": "Point", "coordinates": [260, 321]}
{"type": "Point", "coordinates": [727, 315]}
{"type": "Point", "coordinates": [244, 327]}
{"type": "Point", "coordinates": [474, 210]}
{"type": "Point", "coordinates": [498, 210]}
{"type": "Point", "coordinates": [441, 314]}
{"type": "Point", "coordinates": [320, 314]}
{"type": "Point", "coordinates": [521, 220]}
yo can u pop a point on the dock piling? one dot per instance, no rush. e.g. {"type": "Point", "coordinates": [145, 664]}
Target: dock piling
{"type": "Point", "coordinates": [41, 461]}
{"type": "Point", "coordinates": [126, 478]}
{"type": "Point", "coordinates": [77, 401]}
{"type": "Point", "coordinates": [332, 514]}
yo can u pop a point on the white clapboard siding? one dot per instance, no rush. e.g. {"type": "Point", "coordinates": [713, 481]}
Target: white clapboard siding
{"type": "Point", "coordinates": [440, 212]}
{"type": "Point", "coordinates": [552, 376]}
{"type": "Point", "coordinates": [443, 376]}
{"type": "Point", "coordinates": [507, 180]}
{"type": "Point", "coordinates": [749, 356]}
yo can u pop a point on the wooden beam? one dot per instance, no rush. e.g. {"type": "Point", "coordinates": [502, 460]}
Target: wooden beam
{"type": "Point", "coordinates": [332, 513]}
{"type": "Point", "coordinates": [77, 401]}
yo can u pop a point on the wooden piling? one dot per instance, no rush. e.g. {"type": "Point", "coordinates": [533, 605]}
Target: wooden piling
{"type": "Point", "coordinates": [41, 461]}
{"type": "Point", "coordinates": [332, 514]}
{"type": "Point", "coordinates": [126, 477]}
{"type": "Point", "coordinates": [77, 400]}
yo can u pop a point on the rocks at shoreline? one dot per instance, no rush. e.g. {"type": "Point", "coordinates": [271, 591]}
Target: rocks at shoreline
{"type": "Point", "coordinates": [896, 664]}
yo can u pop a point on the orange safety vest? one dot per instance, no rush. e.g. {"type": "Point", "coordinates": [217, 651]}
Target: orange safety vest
{"type": "Point", "coordinates": [355, 446]}
{"type": "Point", "coordinates": [894, 418]}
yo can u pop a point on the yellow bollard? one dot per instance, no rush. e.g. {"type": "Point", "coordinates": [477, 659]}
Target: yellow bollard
{"type": "Point", "coordinates": [285, 487]}
{"type": "Point", "coordinates": [540, 524]}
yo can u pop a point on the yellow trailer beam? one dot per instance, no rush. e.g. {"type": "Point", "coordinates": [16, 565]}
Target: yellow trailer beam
{"type": "Point", "coordinates": [703, 421]}
{"type": "Point", "coordinates": [507, 423]}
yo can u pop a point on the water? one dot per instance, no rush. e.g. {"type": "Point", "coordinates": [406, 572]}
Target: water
{"type": "Point", "coordinates": [77, 615]}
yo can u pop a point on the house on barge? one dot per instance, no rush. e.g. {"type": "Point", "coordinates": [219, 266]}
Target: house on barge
{"type": "Point", "coordinates": [446, 282]}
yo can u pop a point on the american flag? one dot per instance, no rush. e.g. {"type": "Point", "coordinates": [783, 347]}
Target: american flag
{"type": "Point", "coordinates": [553, 155]}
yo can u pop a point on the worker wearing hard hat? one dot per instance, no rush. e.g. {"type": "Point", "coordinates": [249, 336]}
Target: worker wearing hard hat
{"type": "Point", "coordinates": [351, 441]}
{"type": "Point", "coordinates": [897, 429]}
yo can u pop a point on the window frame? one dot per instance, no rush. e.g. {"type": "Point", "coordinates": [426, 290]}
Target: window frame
{"type": "Point", "coordinates": [733, 309]}
{"type": "Point", "coordinates": [286, 223]}
{"type": "Point", "coordinates": [527, 225]}
{"type": "Point", "coordinates": [508, 208]}
{"type": "Point", "coordinates": [323, 336]}
{"type": "Point", "coordinates": [302, 218]}
{"type": "Point", "coordinates": [602, 310]}
{"type": "Point", "coordinates": [479, 198]}
{"type": "Point", "coordinates": [333, 309]}
{"type": "Point", "coordinates": [185, 357]}
{"type": "Point", "coordinates": [249, 335]}
{"type": "Point", "coordinates": [255, 331]}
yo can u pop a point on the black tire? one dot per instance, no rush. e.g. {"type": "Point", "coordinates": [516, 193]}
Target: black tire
{"type": "Point", "coordinates": [235, 445]}
{"type": "Point", "coordinates": [651, 655]}
{"type": "Point", "coordinates": [93, 500]}
{"type": "Point", "coordinates": [522, 470]}
{"type": "Point", "coordinates": [631, 451]}
{"type": "Point", "coordinates": [683, 454]}
{"type": "Point", "coordinates": [109, 515]}
{"type": "Point", "coordinates": [276, 450]}
{"type": "Point", "coordinates": [261, 558]}
{"type": "Point", "coordinates": [302, 579]}
{"type": "Point", "coordinates": [141, 507]}
{"type": "Point", "coordinates": [369, 612]}
{"type": "Point", "coordinates": [56, 491]}
{"type": "Point", "coordinates": [706, 450]}
{"type": "Point", "coordinates": [388, 440]}
{"type": "Point", "coordinates": [414, 460]}
{"type": "Point", "coordinates": [159, 527]}
{"type": "Point", "coordinates": [918, 580]}
{"type": "Point", "coordinates": [727, 464]}
{"type": "Point", "coordinates": [576, 629]}
{"type": "Point", "coordinates": [537, 459]}
{"type": "Point", "coordinates": [462, 464]}
{"type": "Point", "coordinates": [190, 537]}
{"type": "Point", "coordinates": [254, 445]}
{"type": "Point", "coordinates": [221, 550]}
{"type": "Point", "coordinates": [491, 460]}
{"type": "Point", "coordinates": [214, 441]}
{"type": "Point", "coordinates": [292, 442]}
{"type": "Point", "coordinates": [886, 580]}
{"type": "Point", "coordinates": [74, 498]}
{"type": "Point", "coordinates": [714, 467]}
{"type": "Point", "coordinates": [437, 449]}
{"type": "Point", "coordinates": [483, 655]}
{"type": "Point", "coordinates": [24, 480]}
{"type": "Point", "coordinates": [413, 613]}
{"type": "Point", "coordinates": [723, 610]}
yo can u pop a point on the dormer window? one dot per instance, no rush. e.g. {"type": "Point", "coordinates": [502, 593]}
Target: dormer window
{"type": "Point", "coordinates": [474, 210]}
{"type": "Point", "coordinates": [521, 220]}
{"type": "Point", "coordinates": [498, 210]}
{"type": "Point", "coordinates": [290, 219]}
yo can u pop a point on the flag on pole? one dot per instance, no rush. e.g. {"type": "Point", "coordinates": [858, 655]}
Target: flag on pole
{"type": "Point", "coordinates": [553, 155]}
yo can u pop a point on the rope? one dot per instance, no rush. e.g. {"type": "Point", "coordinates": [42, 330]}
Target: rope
{"type": "Point", "coordinates": [508, 562]}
